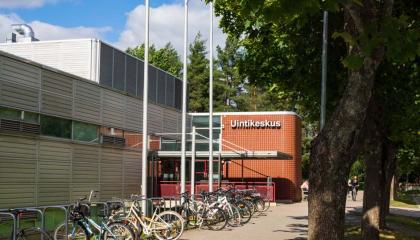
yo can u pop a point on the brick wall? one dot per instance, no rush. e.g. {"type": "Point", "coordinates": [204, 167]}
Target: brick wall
{"type": "Point", "coordinates": [286, 139]}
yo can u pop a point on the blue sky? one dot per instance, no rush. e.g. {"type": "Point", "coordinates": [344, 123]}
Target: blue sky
{"type": "Point", "coordinates": [120, 22]}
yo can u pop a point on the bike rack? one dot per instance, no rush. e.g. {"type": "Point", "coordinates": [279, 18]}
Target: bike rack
{"type": "Point", "coordinates": [9, 214]}
{"type": "Point", "coordinates": [66, 215]}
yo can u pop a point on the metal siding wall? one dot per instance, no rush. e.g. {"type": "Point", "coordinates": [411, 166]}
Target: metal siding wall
{"type": "Point", "coordinates": [155, 120]}
{"type": "Point", "coordinates": [85, 170]}
{"type": "Point", "coordinates": [152, 84]}
{"type": "Point", "coordinates": [112, 108]}
{"type": "Point", "coordinates": [87, 102]}
{"type": "Point", "coordinates": [169, 125]}
{"type": "Point", "coordinates": [131, 75]}
{"type": "Point", "coordinates": [20, 83]}
{"type": "Point", "coordinates": [133, 114]}
{"type": "Point", "coordinates": [57, 94]}
{"type": "Point", "coordinates": [111, 173]}
{"type": "Point", "coordinates": [161, 87]}
{"type": "Point", "coordinates": [178, 94]}
{"type": "Point", "coordinates": [132, 170]}
{"type": "Point", "coordinates": [18, 165]}
{"type": "Point", "coordinates": [54, 172]}
{"type": "Point", "coordinates": [119, 71]}
{"type": "Point", "coordinates": [106, 65]}
{"type": "Point", "coordinates": [170, 91]}
{"type": "Point", "coordinates": [140, 77]}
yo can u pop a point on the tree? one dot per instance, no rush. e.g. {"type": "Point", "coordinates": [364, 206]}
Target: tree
{"type": "Point", "coordinates": [165, 58]}
{"type": "Point", "coordinates": [281, 39]}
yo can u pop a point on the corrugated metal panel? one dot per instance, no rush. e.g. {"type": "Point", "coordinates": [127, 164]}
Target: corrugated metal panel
{"type": "Point", "coordinates": [57, 94]}
{"type": "Point", "coordinates": [87, 102]}
{"type": "Point", "coordinates": [161, 87]}
{"type": "Point", "coordinates": [73, 56]}
{"type": "Point", "coordinates": [178, 94]}
{"type": "Point", "coordinates": [132, 173]}
{"type": "Point", "coordinates": [106, 67]}
{"type": "Point", "coordinates": [170, 91]}
{"type": "Point", "coordinates": [133, 114]}
{"type": "Point", "coordinates": [111, 173]}
{"type": "Point", "coordinates": [140, 77]}
{"type": "Point", "coordinates": [169, 121]}
{"type": "Point", "coordinates": [155, 120]}
{"type": "Point", "coordinates": [20, 73]}
{"type": "Point", "coordinates": [54, 175]}
{"type": "Point", "coordinates": [19, 96]}
{"type": "Point", "coordinates": [119, 71]}
{"type": "Point", "coordinates": [131, 75]}
{"type": "Point", "coordinates": [85, 170]}
{"type": "Point", "coordinates": [17, 171]}
{"type": "Point", "coordinates": [112, 108]}
{"type": "Point", "coordinates": [152, 84]}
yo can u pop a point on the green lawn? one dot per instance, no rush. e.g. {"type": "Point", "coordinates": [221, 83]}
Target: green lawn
{"type": "Point", "coordinates": [404, 200]}
{"type": "Point", "coordinates": [410, 224]}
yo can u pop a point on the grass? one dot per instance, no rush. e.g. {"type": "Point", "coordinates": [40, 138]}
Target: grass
{"type": "Point", "coordinates": [409, 224]}
{"type": "Point", "coordinates": [404, 200]}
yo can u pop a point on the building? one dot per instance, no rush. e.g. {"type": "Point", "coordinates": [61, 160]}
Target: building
{"type": "Point", "coordinates": [70, 121]}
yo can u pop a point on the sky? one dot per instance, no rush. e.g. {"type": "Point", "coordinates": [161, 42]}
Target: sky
{"type": "Point", "coordinates": [118, 22]}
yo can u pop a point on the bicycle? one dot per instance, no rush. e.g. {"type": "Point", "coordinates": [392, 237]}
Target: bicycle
{"type": "Point", "coordinates": [80, 226]}
{"type": "Point", "coordinates": [353, 190]}
{"type": "Point", "coordinates": [31, 233]}
{"type": "Point", "coordinates": [167, 225]}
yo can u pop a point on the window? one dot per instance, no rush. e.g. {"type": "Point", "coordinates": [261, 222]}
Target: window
{"type": "Point", "coordinates": [85, 132]}
{"type": "Point", "coordinates": [107, 131]}
{"type": "Point", "coordinates": [55, 127]}
{"type": "Point", "coordinates": [31, 117]}
{"type": "Point", "coordinates": [10, 114]}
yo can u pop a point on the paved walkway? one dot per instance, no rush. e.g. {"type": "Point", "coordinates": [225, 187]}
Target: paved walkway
{"type": "Point", "coordinates": [283, 222]}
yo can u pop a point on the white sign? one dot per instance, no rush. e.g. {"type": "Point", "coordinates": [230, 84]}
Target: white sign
{"type": "Point", "coordinates": [266, 124]}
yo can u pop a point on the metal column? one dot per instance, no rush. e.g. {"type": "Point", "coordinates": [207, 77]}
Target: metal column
{"type": "Point", "coordinates": [324, 70]}
{"type": "Point", "coordinates": [145, 103]}
{"type": "Point", "coordinates": [193, 162]}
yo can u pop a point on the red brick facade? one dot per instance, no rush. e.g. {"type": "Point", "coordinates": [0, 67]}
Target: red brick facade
{"type": "Point", "coordinates": [287, 139]}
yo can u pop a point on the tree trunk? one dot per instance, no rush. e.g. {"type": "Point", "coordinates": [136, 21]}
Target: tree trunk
{"type": "Point", "coordinates": [389, 170]}
{"type": "Point", "coordinates": [332, 154]}
{"type": "Point", "coordinates": [374, 144]}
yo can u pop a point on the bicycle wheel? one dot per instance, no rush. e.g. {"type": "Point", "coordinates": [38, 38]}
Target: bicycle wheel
{"type": "Point", "coordinates": [34, 233]}
{"type": "Point", "coordinates": [119, 231]}
{"type": "Point", "coordinates": [245, 211]}
{"type": "Point", "coordinates": [191, 218]}
{"type": "Point", "coordinates": [168, 225]}
{"type": "Point", "coordinates": [266, 204]}
{"type": "Point", "coordinates": [216, 219]}
{"type": "Point", "coordinates": [259, 205]}
{"type": "Point", "coordinates": [75, 232]}
{"type": "Point", "coordinates": [234, 216]}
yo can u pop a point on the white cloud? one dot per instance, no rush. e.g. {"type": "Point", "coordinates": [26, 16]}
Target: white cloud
{"type": "Point", "coordinates": [167, 25]}
{"type": "Point", "coordinates": [46, 31]}
{"type": "Point", "coordinates": [24, 3]}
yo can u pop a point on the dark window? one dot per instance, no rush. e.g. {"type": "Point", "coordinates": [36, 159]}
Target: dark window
{"type": "Point", "coordinates": [119, 70]}
{"type": "Point", "coordinates": [30, 117]}
{"type": "Point", "coordinates": [131, 75]}
{"type": "Point", "coordinates": [10, 114]}
{"type": "Point", "coordinates": [170, 91]}
{"type": "Point", "coordinates": [55, 127]}
{"type": "Point", "coordinates": [140, 77]}
{"type": "Point", "coordinates": [106, 65]}
{"type": "Point", "coordinates": [161, 86]}
{"type": "Point", "coordinates": [152, 84]}
{"type": "Point", "coordinates": [85, 132]}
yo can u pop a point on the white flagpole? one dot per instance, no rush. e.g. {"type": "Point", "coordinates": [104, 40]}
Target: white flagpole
{"type": "Point", "coordinates": [184, 98]}
{"type": "Point", "coordinates": [145, 103]}
{"type": "Point", "coordinates": [211, 103]}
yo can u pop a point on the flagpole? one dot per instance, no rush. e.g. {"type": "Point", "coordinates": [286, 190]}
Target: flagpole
{"type": "Point", "coordinates": [211, 102]}
{"type": "Point", "coordinates": [184, 98]}
{"type": "Point", "coordinates": [145, 103]}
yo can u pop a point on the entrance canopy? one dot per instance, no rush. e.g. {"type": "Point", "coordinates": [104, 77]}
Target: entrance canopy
{"type": "Point", "coordinates": [228, 154]}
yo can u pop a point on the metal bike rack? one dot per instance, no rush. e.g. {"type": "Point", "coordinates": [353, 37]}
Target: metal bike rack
{"type": "Point", "coordinates": [65, 208]}
{"type": "Point", "coordinates": [9, 214]}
